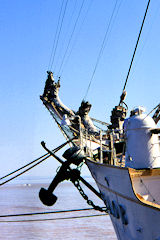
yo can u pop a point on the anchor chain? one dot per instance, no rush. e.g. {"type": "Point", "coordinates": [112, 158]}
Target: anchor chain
{"type": "Point", "coordinates": [84, 195]}
{"type": "Point", "coordinates": [67, 173]}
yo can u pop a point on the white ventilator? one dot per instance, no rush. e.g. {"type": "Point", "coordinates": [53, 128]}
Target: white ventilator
{"type": "Point", "coordinates": [142, 147]}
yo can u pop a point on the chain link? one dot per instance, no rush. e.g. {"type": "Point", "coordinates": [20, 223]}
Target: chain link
{"type": "Point", "coordinates": [90, 202]}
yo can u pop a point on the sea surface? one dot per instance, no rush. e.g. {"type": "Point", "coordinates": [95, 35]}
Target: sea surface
{"type": "Point", "coordinates": [22, 197]}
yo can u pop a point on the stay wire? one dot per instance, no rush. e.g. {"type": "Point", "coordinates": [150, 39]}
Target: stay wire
{"type": "Point", "coordinates": [56, 45]}
{"type": "Point", "coordinates": [24, 171]}
{"type": "Point", "coordinates": [52, 219]}
{"type": "Point", "coordinates": [46, 156]}
{"type": "Point", "coordinates": [101, 49]}
{"type": "Point", "coordinates": [23, 166]}
{"type": "Point", "coordinates": [75, 40]}
{"type": "Point", "coordinates": [152, 110]}
{"type": "Point", "coordinates": [136, 45]}
{"type": "Point", "coordinates": [56, 149]}
{"type": "Point", "coordinates": [143, 44]}
{"type": "Point", "coordinates": [53, 47]}
{"type": "Point", "coordinates": [66, 33]}
{"type": "Point", "coordinates": [71, 36]}
{"type": "Point", "coordinates": [45, 213]}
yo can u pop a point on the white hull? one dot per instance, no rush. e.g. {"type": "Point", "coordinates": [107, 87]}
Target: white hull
{"type": "Point", "coordinates": [132, 196]}
{"type": "Point", "coordinates": [132, 218]}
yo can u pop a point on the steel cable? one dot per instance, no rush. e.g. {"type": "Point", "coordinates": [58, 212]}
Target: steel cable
{"type": "Point", "coordinates": [101, 50]}
{"type": "Point", "coordinates": [139, 35]}
{"type": "Point", "coordinates": [23, 166]}
{"type": "Point", "coordinates": [45, 156]}
{"type": "Point", "coordinates": [56, 44]}
{"type": "Point", "coordinates": [76, 38]}
{"type": "Point", "coordinates": [53, 47]}
{"type": "Point", "coordinates": [71, 36]}
{"type": "Point", "coordinates": [65, 39]}
{"type": "Point", "coordinates": [24, 171]}
{"type": "Point", "coordinates": [42, 213]}
{"type": "Point", "coordinates": [52, 219]}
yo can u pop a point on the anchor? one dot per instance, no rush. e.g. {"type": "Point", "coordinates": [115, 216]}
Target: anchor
{"type": "Point", "coordinates": [64, 173]}
{"type": "Point", "coordinates": [73, 156]}
{"type": "Point", "coordinates": [46, 195]}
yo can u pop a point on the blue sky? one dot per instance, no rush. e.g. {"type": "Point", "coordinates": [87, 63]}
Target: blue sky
{"type": "Point", "coordinates": [27, 30]}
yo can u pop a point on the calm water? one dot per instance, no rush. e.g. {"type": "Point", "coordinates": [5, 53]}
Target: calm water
{"type": "Point", "coordinates": [19, 198]}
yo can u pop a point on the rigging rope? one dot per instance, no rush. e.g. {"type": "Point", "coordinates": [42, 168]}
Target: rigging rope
{"type": "Point", "coordinates": [136, 45]}
{"type": "Point", "coordinates": [43, 213]}
{"type": "Point", "coordinates": [53, 219]}
{"type": "Point", "coordinates": [69, 42]}
{"type": "Point", "coordinates": [23, 166]}
{"type": "Point", "coordinates": [68, 25]}
{"type": "Point", "coordinates": [53, 47]}
{"type": "Point", "coordinates": [158, 106]}
{"type": "Point", "coordinates": [101, 49]}
{"type": "Point", "coordinates": [23, 171]}
{"type": "Point", "coordinates": [46, 156]}
{"type": "Point", "coordinates": [56, 44]}
{"type": "Point", "coordinates": [75, 40]}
